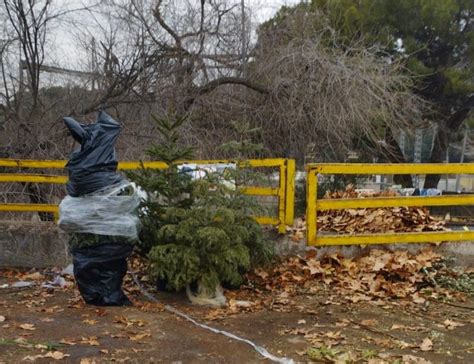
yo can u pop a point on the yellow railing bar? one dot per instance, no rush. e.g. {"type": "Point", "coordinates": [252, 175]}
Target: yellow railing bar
{"type": "Point", "coordinates": [129, 165]}
{"type": "Point", "coordinates": [31, 163]}
{"type": "Point", "coordinates": [386, 168]}
{"type": "Point", "coordinates": [267, 220]}
{"type": "Point", "coordinates": [358, 203]}
{"type": "Point", "coordinates": [38, 178]}
{"type": "Point", "coordinates": [27, 207]}
{"type": "Point", "coordinates": [271, 162]}
{"type": "Point", "coordinates": [260, 191]}
{"type": "Point", "coordinates": [285, 210]}
{"type": "Point", "coordinates": [424, 237]}
{"type": "Point", "coordinates": [60, 164]}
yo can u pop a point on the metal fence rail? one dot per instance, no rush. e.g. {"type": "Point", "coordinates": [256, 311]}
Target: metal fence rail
{"type": "Point", "coordinates": [284, 192]}
{"type": "Point", "coordinates": [314, 205]}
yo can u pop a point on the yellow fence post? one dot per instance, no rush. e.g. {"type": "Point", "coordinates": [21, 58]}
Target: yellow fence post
{"type": "Point", "coordinates": [311, 214]}
{"type": "Point", "coordinates": [290, 191]}
{"type": "Point", "coordinates": [282, 199]}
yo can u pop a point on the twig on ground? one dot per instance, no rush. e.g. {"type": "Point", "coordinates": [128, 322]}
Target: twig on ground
{"type": "Point", "coordinates": [371, 329]}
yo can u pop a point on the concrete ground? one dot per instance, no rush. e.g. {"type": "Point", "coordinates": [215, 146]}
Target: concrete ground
{"type": "Point", "coordinates": [52, 324]}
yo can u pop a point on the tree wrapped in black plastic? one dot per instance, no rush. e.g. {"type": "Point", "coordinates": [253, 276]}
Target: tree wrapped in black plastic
{"type": "Point", "coordinates": [100, 212]}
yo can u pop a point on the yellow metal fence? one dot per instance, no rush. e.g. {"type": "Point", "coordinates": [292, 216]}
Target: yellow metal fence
{"type": "Point", "coordinates": [313, 204]}
{"type": "Point", "coordinates": [284, 192]}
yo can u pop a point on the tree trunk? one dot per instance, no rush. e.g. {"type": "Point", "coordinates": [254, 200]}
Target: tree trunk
{"type": "Point", "coordinates": [38, 197]}
{"type": "Point", "coordinates": [395, 155]}
{"type": "Point", "coordinates": [441, 142]}
{"type": "Point", "coordinates": [438, 155]}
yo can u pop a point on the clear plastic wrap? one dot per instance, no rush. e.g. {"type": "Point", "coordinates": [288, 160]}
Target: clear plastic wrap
{"type": "Point", "coordinates": [110, 211]}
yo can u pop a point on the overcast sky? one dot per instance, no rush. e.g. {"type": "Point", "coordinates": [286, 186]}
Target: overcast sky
{"type": "Point", "coordinates": [267, 8]}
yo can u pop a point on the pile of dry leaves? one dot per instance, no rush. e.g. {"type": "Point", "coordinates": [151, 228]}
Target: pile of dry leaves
{"type": "Point", "coordinates": [380, 274]}
{"type": "Point", "coordinates": [377, 277]}
{"type": "Point", "coordinates": [376, 220]}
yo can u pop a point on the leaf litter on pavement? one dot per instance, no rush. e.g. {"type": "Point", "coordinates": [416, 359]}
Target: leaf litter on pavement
{"type": "Point", "coordinates": [381, 278]}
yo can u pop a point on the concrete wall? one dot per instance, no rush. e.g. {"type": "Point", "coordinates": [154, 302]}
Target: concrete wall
{"type": "Point", "coordinates": [463, 252]}
{"type": "Point", "coordinates": [32, 244]}
{"type": "Point", "coordinates": [41, 244]}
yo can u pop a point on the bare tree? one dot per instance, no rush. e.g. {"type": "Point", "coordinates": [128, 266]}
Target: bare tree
{"type": "Point", "coordinates": [29, 20]}
{"type": "Point", "coordinates": [194, 58]}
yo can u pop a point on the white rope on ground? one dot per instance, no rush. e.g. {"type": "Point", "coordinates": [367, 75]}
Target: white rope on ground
{"type": "Point", "coordinates": [261, 350]}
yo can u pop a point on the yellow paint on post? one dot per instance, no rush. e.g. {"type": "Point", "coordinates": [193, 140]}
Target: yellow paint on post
{"type": "Point", "coordinates": [311, 213]}
{"type": "Point", "coordinates": [290, 191]}
{"type": "Point", "coordinates": [281, 200]}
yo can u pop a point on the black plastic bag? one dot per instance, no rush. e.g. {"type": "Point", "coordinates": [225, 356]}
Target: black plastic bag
{"type": "Point", "coordinates": [99, 272]}
{"type": "Point", "coordinates": [93, 166]}
{"type": "Point", "coordinates": [100, 261]}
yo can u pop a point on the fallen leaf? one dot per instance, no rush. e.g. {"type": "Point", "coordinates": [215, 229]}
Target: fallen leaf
{"type": "Point", "coordinates": [20, 340]}
{"type": "Point", "coordinates": [90, 341]}
{"type": "Point", "coordinates": [403, 344]}
{"type": "Point", "coordinates": [451, 325]}
{"type": "Point", "coordinates": [36, 276]}
{"type": "Point", "coordinates": [301, 322]}
{"type": "Point", "coordinates": [118, 336]}
{"type": "Point", "coordinates": [67, 342]}
{"type": "Point", "coordinates": [417, 298]}
{"type": "Point", "coordinates": [87, 361]}
{"type": "Point", "coordinates": [261, 273]}
{"type": "Point", "coordinates": [426, 344]}
{"type": "Point", "coordinates": [411, 359]}
{"type": "Point", "coordinates": [56, 355]}
{"type": "Point", "coordinates": [32, 357]}
{"type": "Point", "coordinates": [30, 327]}
{"type": "Point", "coordinates": [369, 322]}
{"type": "Point", "coordinates": [90, 322]}
{"type": "Point", "coordinates": [104, 351]}
{"type": "Point", "coordinates": [139, 336]}
{"type": "Point", "coordinates": [100, 312]}
{"type": "Point", "coordinates": [301, 352]}
{"type": "Point", "coordinates": [123, 320]}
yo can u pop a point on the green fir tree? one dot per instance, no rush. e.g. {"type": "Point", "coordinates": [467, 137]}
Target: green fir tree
{"type": "Point", "coordinates": [196, 230]}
